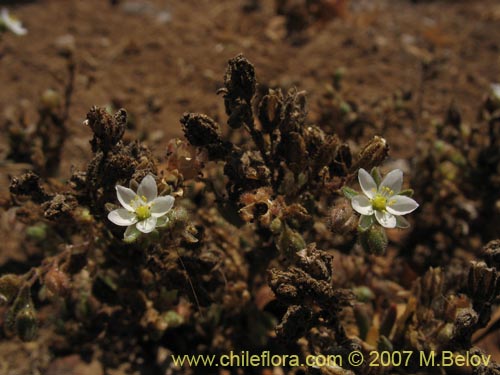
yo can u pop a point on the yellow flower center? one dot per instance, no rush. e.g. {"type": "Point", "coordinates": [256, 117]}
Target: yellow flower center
{"type": "Point", "coordinates": [379, 202]}
{"type": "Point", "coordinates": [142, 212]}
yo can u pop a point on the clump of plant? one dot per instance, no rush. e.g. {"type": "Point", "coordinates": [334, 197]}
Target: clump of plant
{"type": "Point", "coordinates": [270, 234]}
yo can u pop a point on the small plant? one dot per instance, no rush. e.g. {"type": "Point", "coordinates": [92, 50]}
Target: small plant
{"type": "Point", "coordinates": [264, 235]}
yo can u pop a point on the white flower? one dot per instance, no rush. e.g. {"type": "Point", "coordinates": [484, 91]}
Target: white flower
{"type": "Point", "coordinates": [11, 23]}
{"type": "Point", "coordinates": [142, 211]}
{"type": "Point", "coordinates": [382, 202]}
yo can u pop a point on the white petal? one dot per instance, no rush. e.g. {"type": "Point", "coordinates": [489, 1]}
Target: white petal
{"type": "Point", "coordinates": [147, 188]}
{"type": "Point", "coordinates": [161, 205]}
{"type": "Point", "coordinates": [401, 205]}
{"type": "Point", "coordinates": [367, 183]}
{"type": "Point", "coordinates": [385, 219]}
{"type": "Point", "coordinates": [122, 217]}
{"type": "Point", "coordinates": [147, 225]}
{"type": "Point", "coordinates": [125, 196]}
{"type": "Point", "coordinates": [12, 24]}
{"type": "Point", "coordinates": [365, 222]}
{"type": "Point", "coordinates": [362, 205]}
{"type": "Point", "coordinates": [131, 234]}
{"type": "Point", "coordinates": [401, 222]}
{"type": "Point", "coordinates": [393, 181]}
{"type": "Point", "coordinates": [17, 29]}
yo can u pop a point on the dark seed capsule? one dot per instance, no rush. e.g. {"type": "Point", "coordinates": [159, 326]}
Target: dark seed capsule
{"type": "Point", "coordinates": [200, 130]}
{"type": "Point", "coordinates": [342, 219]}
{"type": "Point", "coordinates": [57, 282]}
{"type": "Point", "coordinates": [373, 154]}
{"type": "Point", "coordinates": [26, 324]}
{"type": "Point", "coordinates": [483, 282]}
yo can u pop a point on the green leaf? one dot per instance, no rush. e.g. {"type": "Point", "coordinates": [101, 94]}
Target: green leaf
{"type": "Point", "coordinates": [349, 193]}
{"type": "Point", "coordinates": [406, 192]}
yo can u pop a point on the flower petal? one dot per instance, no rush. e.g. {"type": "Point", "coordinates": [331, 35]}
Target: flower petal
{"type": "Point", "coordinates": [386, 219]}
{"type": "Point", "coordinates": [131, 234]}
{"type": "Point", "coordinates": [367, 183]}
{"type": "Point", "coordinates": [125, 196]}
{"type": "Point", "coordinates": [365, 222]}
{"type": "Point", "coordinates": [161, 205]}
{"type": "Point", "coordinates": [401, 222]}
{"type": "Point", "coordinates": [147, 188]}
{"type": "Point", "coordinates": [12, 23]}
{"type": "Point", "coordinates": [401, 205]}
{"type": "Point", "coordinates": [393, 181]}
{"type": "Point", "coordinates": [148, 225]}
{"type": "Point", "coordinates": [362, 205]}
{"type": "Point", "coordinates": [122, 217]}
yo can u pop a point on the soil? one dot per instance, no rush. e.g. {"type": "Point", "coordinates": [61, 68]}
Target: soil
{"type": "Point", "coordinates": [161, 58]}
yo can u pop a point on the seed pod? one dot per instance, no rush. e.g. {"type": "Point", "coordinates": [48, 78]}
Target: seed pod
{"type": "Point", "coordinates": [464, 326]}
{"type": "Point", "coordinates": [270, 110]}
{"type": "Point", "coordinates": [290, 241]}
{"type": "Point", "coordinates": [26, 323]}
{"type": "Point", "coordinates": [373, 154]}
{"type": "Point", "coordinates": [23, 303]}
{"type": "Point", "coordinates": [108, 130]}
{"type": "Point", "coordinates": [342, 219]}
{"type": "Point", "coordinates": [240, 79]}
{"type": "Point", "coordinates": [57, 282]}
{"type": "Point", "coordinates": [374, 240]}
{"type": "Point", "coordinates": [483, 282]}
{"type": "Point", "coordinates": [200, 130]}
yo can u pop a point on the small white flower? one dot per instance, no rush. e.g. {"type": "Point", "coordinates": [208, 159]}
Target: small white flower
{"type": "Point", "coordinates": [11, 23]}
{"type": "Point", "coordinates": [142, 211]}
{"type": "Point", "coordinates": [382, 202]}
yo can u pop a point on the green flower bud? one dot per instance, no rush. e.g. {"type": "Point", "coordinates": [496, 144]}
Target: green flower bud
{"type": "Point", "coordinates": [374, 240]}
{"type": "Point", "coordinates": [363, 293]}
{"type": "Point", "coordinates": [37, 232]}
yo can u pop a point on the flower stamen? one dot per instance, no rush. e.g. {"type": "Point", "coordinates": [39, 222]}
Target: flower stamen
{"type": "Point", "coordinates": [143, 212]}
{"type": "Point", "coordinates": [379, 202]}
